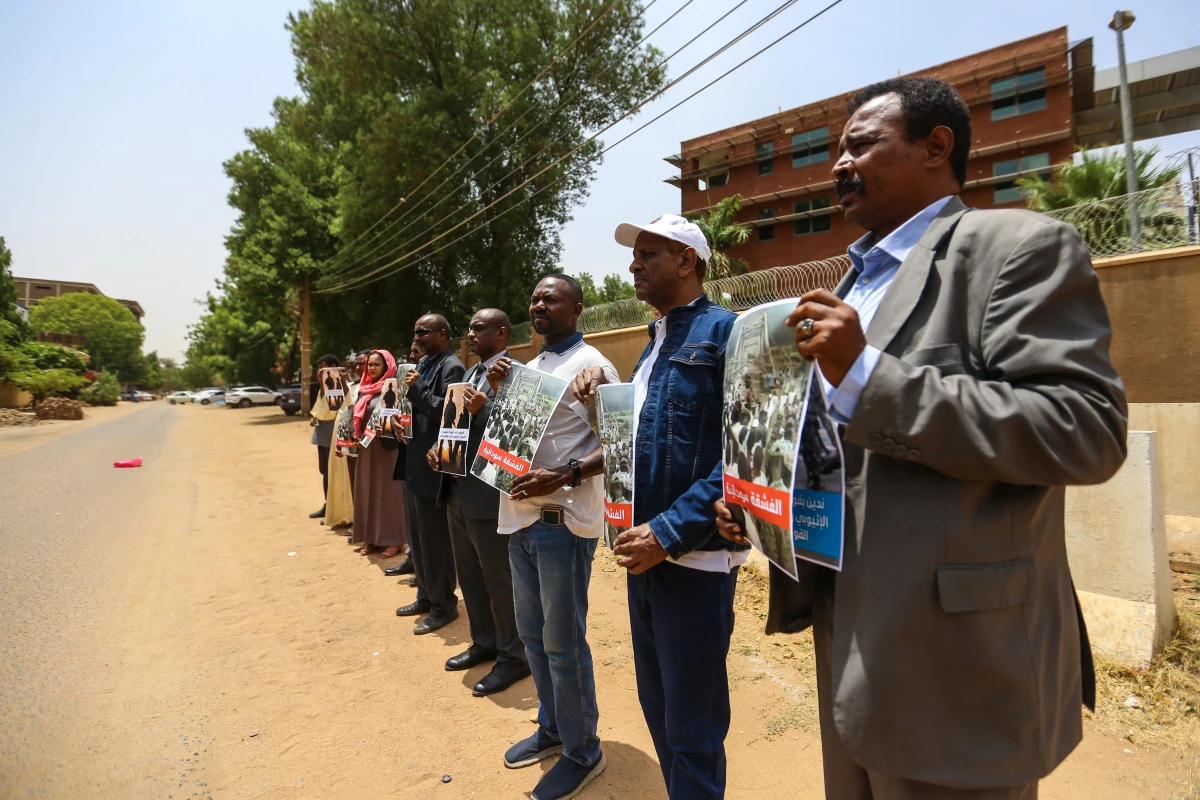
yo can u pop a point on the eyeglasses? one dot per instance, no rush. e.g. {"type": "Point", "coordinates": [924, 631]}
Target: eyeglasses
{"type": "Point", "coordinates": [425, 331]}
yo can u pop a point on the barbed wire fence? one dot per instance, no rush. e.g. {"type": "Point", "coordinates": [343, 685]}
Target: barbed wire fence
{"type": "Point", "coordinates": [1168, 215]}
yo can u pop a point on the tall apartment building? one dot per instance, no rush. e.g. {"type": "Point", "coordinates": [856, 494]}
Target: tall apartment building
{"type": "Point", "coordinates": [1028, 101]}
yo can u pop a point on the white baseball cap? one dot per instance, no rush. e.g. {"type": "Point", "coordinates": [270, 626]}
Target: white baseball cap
{"type": "Point", "coordinates": [668, 226]}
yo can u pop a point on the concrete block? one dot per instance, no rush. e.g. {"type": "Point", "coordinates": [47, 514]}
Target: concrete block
{"type": "Point", "coordinates": [1117, 546]}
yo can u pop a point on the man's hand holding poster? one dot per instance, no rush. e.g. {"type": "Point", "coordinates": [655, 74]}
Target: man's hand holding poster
{"type": "Point", "coordinates": [520, 414]}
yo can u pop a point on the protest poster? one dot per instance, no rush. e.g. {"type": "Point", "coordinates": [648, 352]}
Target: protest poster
{"type": "Point", "coordinates": [332, 387]}
{"type": "Point", "coordinates": [520, 414]}
{"type": "Point", "coordinates": [402, 423]}
{"type": "Point", "coordinates": [372, 427]}
{"type": "Point", "coordinates": [819, 494]}
{"type": "Point", "coordinates": [614, 410]}
{"type": "Point", "coordinates": [766, 391]}
{"type": "Point", "coordinates": [343, 424]}
{"type": "Point", "coordinates": [389, 407]}
{"type": "Point", "coordinates": [455, 432]}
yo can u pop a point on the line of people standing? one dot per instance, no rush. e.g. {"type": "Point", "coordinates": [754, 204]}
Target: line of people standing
{"type": "Point", "coordinates": [965, 361]}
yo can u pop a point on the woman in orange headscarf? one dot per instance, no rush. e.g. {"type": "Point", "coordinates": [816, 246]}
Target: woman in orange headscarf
{"type": "Point", "coordinates": [379, 516]}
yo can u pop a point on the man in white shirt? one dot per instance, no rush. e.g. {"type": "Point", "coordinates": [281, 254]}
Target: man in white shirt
{"type": "Point", "coordinates": [554, 516]}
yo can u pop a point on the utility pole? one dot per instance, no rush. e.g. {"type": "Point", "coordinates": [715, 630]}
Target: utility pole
{"type": "Point", "coordinates": [1122, 21]}
{"type": "Point", "coordinates": [305, 367]}
{"type": "Point", "coordinates": [1195, 212]}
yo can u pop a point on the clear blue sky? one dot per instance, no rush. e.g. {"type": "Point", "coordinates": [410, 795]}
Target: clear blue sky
{"type": "Point", "coordinates": [115, 118]}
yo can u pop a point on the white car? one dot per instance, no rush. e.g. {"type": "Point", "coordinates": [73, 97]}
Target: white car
{"type": "Point", "coordinates": [180, 397]}
{"type": "Point", "coordinates": [207, 397]}
{"type": "Point", "coordinates": [246, 396]}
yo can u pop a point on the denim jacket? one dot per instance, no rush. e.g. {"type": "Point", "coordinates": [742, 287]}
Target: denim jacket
{"type": "Point", "coordinates": [677, 455]}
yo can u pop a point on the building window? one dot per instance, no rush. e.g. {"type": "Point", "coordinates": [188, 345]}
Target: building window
{"type": "Point", "coordinates": [1020, 94]}
{"type": "Point", "coordinates": [1008, 191]}
{"type": "Point", "coordinates": [766, 232]}
{"type": "Point", "coordinates": [810, 147]}
{"type": "Point", "coordinates": [765, 154]}
{"type": "Point", "coordinates": [716, 181]}
{"type": "Point", "coordinates": [808, 225]}
{"type": "Point", "coordinates": [43, 288]}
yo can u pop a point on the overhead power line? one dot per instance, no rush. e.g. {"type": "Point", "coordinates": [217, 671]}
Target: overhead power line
{"type": "Point", "coordinates": [413, 216]}
{"type": "Point", "coordinates": [372, 277]}
{"type": "Point", "coordinates": [348, 282]}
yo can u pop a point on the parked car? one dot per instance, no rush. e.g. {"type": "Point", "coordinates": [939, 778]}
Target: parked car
{"type": "Point", "coordinates": [290, 399]}
{"type": "Point", "coordinates": [180, 397]}
{"type": "Point", "coordinates": [141, 397]}
{"type": "Point", "coordinates": [206, 397]}
{"type": "Point", "coordinates": [246, 396]}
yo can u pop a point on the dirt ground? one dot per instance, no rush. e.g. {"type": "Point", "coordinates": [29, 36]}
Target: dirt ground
{"type": "Point", "coordinates": [237, 649]}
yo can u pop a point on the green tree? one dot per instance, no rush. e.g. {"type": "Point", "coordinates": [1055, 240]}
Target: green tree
{"type": "Point", "coordinates": [44, 355]}
{"type": "Point", "coordinates": [48, 383]}
{"type": "Point", "coordinates": [8, 293]}
{"type": "Point", "coordinates": [104, 391]}
{"type": "Point", "coordinates": [614, 288]}
{"type": "Point", "coordinates": [112, 335]}
{"type": "Point", "coordinates": [723, 232]}
{"type": "Point", "coordinates": [233, 341]}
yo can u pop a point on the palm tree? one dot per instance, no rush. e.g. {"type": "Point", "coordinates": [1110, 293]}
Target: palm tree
{"type": "Point", "coordinates": [1076, 192]}
{"type": "Point", "coordinates": [722, 232]}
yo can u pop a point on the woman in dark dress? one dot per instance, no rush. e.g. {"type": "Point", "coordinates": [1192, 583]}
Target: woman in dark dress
{"type": "Point", "coordinates": [379, 507]}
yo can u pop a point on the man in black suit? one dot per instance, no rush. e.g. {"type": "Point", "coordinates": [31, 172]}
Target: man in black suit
{"type": "Point", "coordinates": [429, 535]}
{"type": "Point", "coordinates": [473, 511]}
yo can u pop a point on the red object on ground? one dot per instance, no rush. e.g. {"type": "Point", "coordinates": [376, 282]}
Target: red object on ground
{"type": "Point", "coordinates": [133, 462]}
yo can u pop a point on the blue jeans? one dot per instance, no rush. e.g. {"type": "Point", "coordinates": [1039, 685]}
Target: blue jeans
{"type": "Point", "coordinates": [681, 620]}
{"type": "Point", "coordinates": [551, 570]}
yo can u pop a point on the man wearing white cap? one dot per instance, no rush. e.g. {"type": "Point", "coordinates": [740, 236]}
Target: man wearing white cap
{"type": "Point", "coordinates": [681, 573]}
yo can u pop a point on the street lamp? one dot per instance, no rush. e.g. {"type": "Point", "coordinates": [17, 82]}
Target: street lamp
{"type": "Point", "coordinates": [1122, 21]}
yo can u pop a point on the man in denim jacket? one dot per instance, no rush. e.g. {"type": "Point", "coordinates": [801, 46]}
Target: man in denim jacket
{"type": "Point", "coordinates": [681, 573]}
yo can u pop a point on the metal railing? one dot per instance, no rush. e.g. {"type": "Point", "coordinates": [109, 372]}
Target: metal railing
{"type": "Point", "coordinates": [1168, 215]}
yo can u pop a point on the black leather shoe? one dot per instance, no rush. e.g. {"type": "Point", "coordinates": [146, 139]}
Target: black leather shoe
{"type": "Point", "coordinates": [413, 609]}
{"type": "Point", "coordinates": [502, 676]}
{"type": "Point", "coordinates": [404, 569]}
{"type": "Point", "coordinates": [472, 656]}
{"type": "Point", "coordinates": [317, 514]}
{"type": "Point", "coordinates": [435, 622]}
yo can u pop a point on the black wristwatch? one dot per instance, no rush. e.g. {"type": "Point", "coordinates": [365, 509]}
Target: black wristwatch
{"type": "Point", "coordinates": [576, 473]}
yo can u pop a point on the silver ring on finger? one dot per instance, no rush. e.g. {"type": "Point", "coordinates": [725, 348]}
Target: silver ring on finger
{"type": "Point", "coordinates": [806, 328]}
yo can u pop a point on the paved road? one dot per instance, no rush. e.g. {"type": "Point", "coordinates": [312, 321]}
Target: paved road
{"type": "Point", "coordinates": [79, 542]}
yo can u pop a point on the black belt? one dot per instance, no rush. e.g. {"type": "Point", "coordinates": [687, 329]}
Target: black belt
{"type": "Point", "coordinates": [552, 515]}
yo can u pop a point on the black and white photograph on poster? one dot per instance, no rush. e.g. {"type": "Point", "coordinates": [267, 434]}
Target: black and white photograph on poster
{"type": "Point", "coordinates": [614, 412]}
{"type": "Point", "coordinates": [520, 414]}
{"type": "Point", "coordinates": [766, 389]}
{"type": "Point", "coordinates": [343, 426]}
{"type": "Point", "coordinates": [332, 380]}
{"type": "Point", "coordinates": [389, 407]}
{"type": "Point", "coordinates": [819, 496]}
{"type": "Point", "coordinates": [402, 423]}
{"type": "Point", "coordinates": [456, 430]}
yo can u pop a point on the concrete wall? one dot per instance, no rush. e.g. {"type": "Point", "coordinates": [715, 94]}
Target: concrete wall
{"type": "Point", "coordinates": [1117, 546]}
{"type": "Point", "coordinates": [12, 397]}
{"type": "Point", "coordinates": [1178, 427]}
{"type": "Point", "coordinates": [1154, 303]}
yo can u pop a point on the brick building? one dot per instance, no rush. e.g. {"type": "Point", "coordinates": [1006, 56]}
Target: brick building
{"type": "Point", "coordinates": [1022, 118]}
{"type": "Point", "coordinates": [31, 291]}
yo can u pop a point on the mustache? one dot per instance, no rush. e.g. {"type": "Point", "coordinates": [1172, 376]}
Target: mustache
{"type": "Point", "coordinates": [849, 183]}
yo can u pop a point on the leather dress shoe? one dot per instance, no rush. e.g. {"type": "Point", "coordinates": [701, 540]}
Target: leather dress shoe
{"type": "Point", "coordinates": [413, 609]}
{"type": "Point", "coordinates": [317, 514]}
{"type": "Point", "coordinates": [472, 656]}
{"type": "Point", "coordinates": [435, 621]}
{"type": "Point", "coordinates": [502, 676]}
{"type": "Point", "coordinates": [403, 569]}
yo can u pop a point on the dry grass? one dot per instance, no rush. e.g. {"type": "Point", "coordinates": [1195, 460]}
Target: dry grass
{"type": "Point", "coordinates": [1168, 689]}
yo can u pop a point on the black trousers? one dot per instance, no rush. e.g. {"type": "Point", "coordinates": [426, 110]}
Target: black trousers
{"type": "Point", "coordinates": [433, 555]}
{"type": "Point", "coordinates": [481, 558]}
{"type": "Point", "coordinates": [323, 465]}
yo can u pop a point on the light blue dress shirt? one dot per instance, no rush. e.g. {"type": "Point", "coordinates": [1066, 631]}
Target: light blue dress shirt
{"type": "Point", "coordinates": [876, 268]}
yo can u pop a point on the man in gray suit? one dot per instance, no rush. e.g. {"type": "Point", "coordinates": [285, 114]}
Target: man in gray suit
{"type": "Point", "coordinates": [473, 511]}
{"type": "Point", "coordinates": [966, 358]}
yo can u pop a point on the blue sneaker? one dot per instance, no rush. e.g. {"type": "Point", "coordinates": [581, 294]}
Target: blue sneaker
{"type": "Point", "coordinates": [567, 779]}
{"type": "Point", "coordinates": [530, 751]}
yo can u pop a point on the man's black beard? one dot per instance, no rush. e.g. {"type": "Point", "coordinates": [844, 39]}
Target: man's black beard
{"type": "Point", "coordinates": [849, 183]}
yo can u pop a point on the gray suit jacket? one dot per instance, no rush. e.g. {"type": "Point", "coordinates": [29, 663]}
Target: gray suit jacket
{"type": "Point", "coordinates": [956, 634]}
